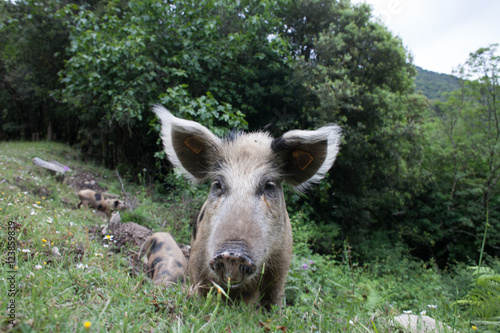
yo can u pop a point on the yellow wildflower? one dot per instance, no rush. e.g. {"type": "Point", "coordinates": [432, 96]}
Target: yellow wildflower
{"type": "Point", "coordinates": [87, 325]}
{"type": "Point", "coordinates": [474, 327]}
{"type": "Point", "coordinates": [44, 240]}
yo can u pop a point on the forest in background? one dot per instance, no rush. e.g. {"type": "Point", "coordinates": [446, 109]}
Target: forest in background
{"type": "Point", "coordinates": [415, 176]}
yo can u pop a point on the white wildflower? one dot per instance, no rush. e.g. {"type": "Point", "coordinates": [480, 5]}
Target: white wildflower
{"type": "Point", "coordinates": [37, 267]}
{"type": "Point", "coordinates": [55, 251]}
{"type": "Point", "coordinates": [407, 312]}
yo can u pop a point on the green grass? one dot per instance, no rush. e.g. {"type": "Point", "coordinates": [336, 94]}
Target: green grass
{"type": "Point", "coordinates": [94, 282]}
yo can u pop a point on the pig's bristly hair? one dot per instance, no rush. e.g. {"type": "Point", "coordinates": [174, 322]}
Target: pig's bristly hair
{"type": "Point", "coordinates": [326, 138]}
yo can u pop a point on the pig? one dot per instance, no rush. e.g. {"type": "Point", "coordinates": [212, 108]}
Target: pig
{"type": "Point", "coordinates": [97, 201]}
{"type": "Point", "coordinates": [242, 239]}
{"type": "Point", "coordinates": [166, 261]}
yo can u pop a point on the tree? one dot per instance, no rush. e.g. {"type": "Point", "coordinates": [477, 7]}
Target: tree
{"type": "Point", "coordinates": [32, 44]}
{"type": "Point", "coordinates": [355, 73]}
{"type": "Point", "coordinates": [181, 53]}
{"type": "Point", "coordinates": [465, 158]}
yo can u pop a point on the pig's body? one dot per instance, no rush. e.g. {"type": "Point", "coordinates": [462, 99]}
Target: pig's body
{"type": "Point", "coordinates": [97, 201]}
{"type": "Point", "coordinates": [242, 240]}
{"type": "Point", "coordinates": [166, 262]}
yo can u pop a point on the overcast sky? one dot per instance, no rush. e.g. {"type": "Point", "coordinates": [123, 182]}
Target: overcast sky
{"type": "Point", "coordinates": [440, 33]}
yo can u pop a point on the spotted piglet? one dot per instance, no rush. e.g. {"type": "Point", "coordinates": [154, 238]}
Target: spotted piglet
{"type": "Point", "coordinates": [166, 262]}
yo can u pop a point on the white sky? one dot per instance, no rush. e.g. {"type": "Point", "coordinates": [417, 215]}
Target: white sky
{"type": "Point", "coordinates": [440, 34]}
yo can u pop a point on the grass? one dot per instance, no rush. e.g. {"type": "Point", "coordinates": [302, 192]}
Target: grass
{"type": "Point", "coordinates": [92, 287]}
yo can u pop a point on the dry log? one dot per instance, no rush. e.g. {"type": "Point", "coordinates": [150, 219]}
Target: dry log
{"type": "Point", "coordinates": [53, 166]}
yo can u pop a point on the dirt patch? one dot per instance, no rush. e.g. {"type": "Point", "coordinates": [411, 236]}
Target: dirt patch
{"type": "Point", "coordinates": [128, 239]}
{"type": "Point", "coordinates": [125, 235]}
{"type": "Point", "coordinates": [132, 234]}
{"type": "Point", "coordinates": [83, 181]}
{"type": "Point", "coordinates": [42, 191]}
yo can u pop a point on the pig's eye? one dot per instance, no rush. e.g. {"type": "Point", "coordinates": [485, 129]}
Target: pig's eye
{"type": "Point", "coordinates": [217, 187]}
{"type": "Point", "coordinates": [269, 188]}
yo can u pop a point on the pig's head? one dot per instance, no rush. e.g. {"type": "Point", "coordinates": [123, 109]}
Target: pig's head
{"type": "Point", "coordinates": [243, 235]}
{"type": "Point", "coordinates": [115, 204]}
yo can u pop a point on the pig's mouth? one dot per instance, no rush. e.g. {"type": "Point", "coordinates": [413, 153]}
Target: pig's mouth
{"type": "Point", "coordinates": [232, 268]}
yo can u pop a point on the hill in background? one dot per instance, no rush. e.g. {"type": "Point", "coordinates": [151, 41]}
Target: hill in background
{"type": "Point", "coordinates": [433, 85]}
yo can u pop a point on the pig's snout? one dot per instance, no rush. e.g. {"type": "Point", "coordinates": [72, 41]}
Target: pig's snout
{"type": "Point", "coordinates": [232, 265]}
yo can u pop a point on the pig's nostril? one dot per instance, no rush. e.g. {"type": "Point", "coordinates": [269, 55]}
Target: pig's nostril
{"type": "Point", "coordinates": [232, 264]}
{"type": "Point", "coordinates": [246, 270]}
{"type": "Point", "coordinates": [217, 266]}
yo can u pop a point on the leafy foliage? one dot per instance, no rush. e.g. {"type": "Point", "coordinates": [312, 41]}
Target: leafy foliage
{"type": "Point", "coordinates": [188, 55]}
{"type": "Point", "coordinates": [355, 73]}
{"type": "Point", "coordinates": [463, 163]}
{"type": "Point", "coordinates": [32, 48]}
{"type": "Point", "coordinates": [484, 298]}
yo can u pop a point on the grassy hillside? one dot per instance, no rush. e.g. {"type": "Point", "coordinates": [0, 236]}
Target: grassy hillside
{"type": "Point", "coordinates": [433, 85]}
{"type": "Point", "coordinates": [95, 282]}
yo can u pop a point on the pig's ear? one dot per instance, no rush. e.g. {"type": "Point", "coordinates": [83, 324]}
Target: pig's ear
{"type": "Point", "coordinates": [306, 156]}
{"type": "Point", "coordinates": [189, 146]}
